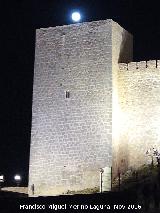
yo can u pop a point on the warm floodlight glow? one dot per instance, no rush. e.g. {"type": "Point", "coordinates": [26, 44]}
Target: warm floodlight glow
{"type": "Point", "coordinates": [76, 16]}
{"type": "Point", "coordinates": [17, 177]}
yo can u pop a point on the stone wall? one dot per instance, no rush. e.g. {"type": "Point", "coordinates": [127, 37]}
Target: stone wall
{"type": "Point", "coordinates": [139, 112]}
{"type": "Point", "coordinates": [71, 137]}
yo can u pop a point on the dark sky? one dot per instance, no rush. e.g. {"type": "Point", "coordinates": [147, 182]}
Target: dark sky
{"type": "Point", "coordinates": [19, 20]}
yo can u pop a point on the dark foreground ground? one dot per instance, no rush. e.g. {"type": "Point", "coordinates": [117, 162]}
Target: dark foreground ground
{"type": "Point", "coordinates": [106, 202]}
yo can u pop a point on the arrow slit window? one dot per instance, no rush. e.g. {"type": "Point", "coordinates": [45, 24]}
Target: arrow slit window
{"type": "Point", "coordinates": [67, 94]}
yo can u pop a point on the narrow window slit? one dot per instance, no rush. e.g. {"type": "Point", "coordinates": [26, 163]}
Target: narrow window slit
{"type": "Point", "coordinates": [67, 94]}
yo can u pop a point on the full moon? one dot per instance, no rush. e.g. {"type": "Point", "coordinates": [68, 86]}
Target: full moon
{"type": "Point", "coordinates": [76, 16]}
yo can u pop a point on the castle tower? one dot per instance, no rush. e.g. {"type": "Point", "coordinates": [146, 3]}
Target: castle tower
{"type": "Point", "coordinates": [74, 95]}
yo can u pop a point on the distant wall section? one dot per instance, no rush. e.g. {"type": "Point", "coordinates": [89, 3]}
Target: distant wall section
{"type": "Point", "coordinates": [139, 112]}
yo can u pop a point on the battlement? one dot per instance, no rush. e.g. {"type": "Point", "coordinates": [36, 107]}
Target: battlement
{"type": "Point", "coordinates": [140, 65]}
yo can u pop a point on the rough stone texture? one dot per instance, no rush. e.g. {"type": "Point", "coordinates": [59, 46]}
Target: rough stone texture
{"type": "Point", "coordinates": [139, 100]}
{"type": "Point", "coordinates": [72, 137]}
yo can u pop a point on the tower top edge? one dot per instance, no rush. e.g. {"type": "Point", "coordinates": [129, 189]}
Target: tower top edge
{"type": "Point", "coordinates": [78, 24]}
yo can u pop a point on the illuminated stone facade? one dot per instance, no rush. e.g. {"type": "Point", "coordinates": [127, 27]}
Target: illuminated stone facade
{"type": "Point", "coordinates": [75, 100]}
{"type": "Point", "coordinates": [139, 112]}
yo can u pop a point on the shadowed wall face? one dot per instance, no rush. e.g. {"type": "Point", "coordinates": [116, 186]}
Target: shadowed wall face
{"type": "Point", "coordinates": [72, 107]}
{"type": "Point", "coordinates": [122, 51]}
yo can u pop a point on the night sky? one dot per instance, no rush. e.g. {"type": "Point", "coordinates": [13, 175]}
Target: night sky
{"type": "Point", "coordinates": [19, 21]}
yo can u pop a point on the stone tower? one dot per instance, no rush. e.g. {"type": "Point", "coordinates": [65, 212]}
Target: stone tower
{"type": "Point", "coordinates": [74, 97]}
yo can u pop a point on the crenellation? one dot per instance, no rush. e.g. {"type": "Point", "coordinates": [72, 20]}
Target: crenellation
{"type": "Point", "coordinates": [132, 66]}
{"type": "Point", "coordinates": [158, 64]}
{"type": "Point", "coordinates": [142, 65]}
{"type": "Point", "coordinates": [123, 66]}
{"type": "Point", "coordinates": [152, 64]}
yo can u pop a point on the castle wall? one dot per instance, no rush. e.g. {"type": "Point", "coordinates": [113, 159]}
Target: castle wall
{"type": "Point", "coordinates": [71, 137]}
{"type": "Point", "coordinates": [139, 114]}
